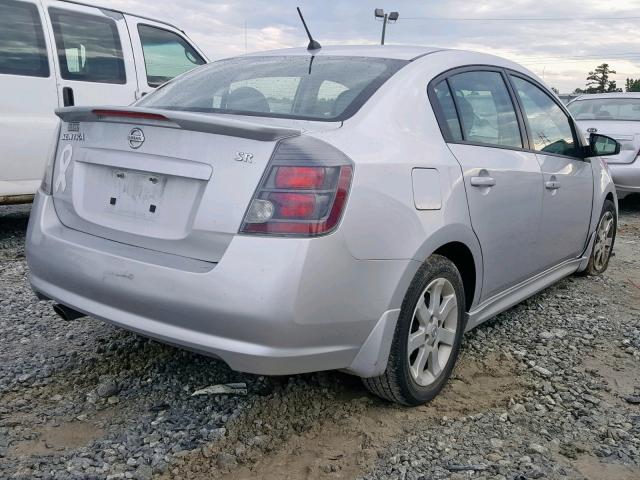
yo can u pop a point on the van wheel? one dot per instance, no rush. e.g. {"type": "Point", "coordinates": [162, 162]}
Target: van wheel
{"type": "Point", "coordinates": [427, 338]}
{"type": "Point", "coordinates": [603, 243]}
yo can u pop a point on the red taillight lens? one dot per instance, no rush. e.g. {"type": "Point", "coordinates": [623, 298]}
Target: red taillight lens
{"type": "Point", "coordinates": [299, 204]}
{"type": "Point", "coordinates": [293, 205]}
{"type": "Point", "coordinates": [303, 192]}
{"type": "Point", "coordinates": [300, 177]}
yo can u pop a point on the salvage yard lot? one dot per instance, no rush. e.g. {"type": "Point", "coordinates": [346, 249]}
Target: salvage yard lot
{"type": "Point", "coordinates": [549, 389]}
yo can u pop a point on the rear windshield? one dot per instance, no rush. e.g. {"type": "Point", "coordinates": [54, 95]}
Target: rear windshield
{"type": "Point", "coordinates": [314, 88]}
{"type": "Point", "coordinates": [606, 109]}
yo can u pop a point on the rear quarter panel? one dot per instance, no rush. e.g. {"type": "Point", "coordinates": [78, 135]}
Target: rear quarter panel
{"type": "Point", "coordinates": [394, 133]}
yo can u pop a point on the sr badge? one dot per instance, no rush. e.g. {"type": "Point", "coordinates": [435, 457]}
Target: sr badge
{"type": "Point", "coordinates": [244, 157]}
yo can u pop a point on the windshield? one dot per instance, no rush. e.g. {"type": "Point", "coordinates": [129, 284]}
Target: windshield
{"type": "Point", "coordinates": [306, 87]}
{"type": "Point", "coordinates": [606, 109]}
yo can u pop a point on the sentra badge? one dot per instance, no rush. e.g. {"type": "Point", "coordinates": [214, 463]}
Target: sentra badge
{"type": "Point", "coordinates": [136, 138]}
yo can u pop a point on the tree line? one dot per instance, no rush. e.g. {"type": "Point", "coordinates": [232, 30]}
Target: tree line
{"type": "Point", "coordinates": [598, 81]}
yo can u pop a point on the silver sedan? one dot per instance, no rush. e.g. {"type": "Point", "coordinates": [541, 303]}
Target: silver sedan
{"type": "Point", "coordinates": [354, 208]}
{"type": "Point", "coordinates": [616, 115]}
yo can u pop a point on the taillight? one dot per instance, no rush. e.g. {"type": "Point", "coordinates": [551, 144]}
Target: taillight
{"type": "Point", "coordinates": [47, 179]}
{"type": "Point", "coordinates": [299, 177]}
{"type": "Point", "coordinates": [303, 192]}
{"type": "Point", "coordinates": [296, 206]}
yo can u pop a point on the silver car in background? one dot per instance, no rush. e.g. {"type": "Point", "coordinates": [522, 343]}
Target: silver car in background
{"type": "Point", "coordinates": [618, 116]}
{"type": "Point", "coordinates": [353, 208]}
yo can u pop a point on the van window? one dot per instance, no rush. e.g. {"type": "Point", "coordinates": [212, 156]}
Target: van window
{"type": "Point", "coordinates": [166, 55]}
{"type": "Point", "coordinates": [89, 48]}
{"type": "Point", "coordinates": [486, 112]}
{"type": "Point", "coordinates": [549, 126]}
{"type": "Point", "coordinates": [22, 47]}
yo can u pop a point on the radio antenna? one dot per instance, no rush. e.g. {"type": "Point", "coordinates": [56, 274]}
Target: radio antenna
{"type": "Point", "coordinates": [313, 44]}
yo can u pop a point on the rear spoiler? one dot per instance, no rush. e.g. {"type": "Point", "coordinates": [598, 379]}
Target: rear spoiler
{"type": "Point", "coordinates": [197, 122]}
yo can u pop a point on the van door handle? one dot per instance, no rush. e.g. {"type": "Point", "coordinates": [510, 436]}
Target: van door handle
{"type": "Point", "coordinates": [483, 181]}
{"type": "Point", "coordinates": [552, 185]}
{"type": "Point", "coordinates": [67, 97]}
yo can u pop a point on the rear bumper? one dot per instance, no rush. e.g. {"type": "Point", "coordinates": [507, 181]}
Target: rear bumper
{"type": "Point", "coordinates": [270, 306]}
{"type": "Point", "coordinates": [626, 178]}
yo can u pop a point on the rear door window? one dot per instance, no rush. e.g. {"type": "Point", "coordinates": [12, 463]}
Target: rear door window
{"type": "Point", "coordinates": [166, 54]}
{"type": "Point", "coordinates": [266, 94]}
{"type": "Point", "coordinates": [448, 110]}
{"type": "Point", "coordinates": [330, 100]}
{"type": "Point", "coordinates": [487, 114]}
{"type": "Point", "coordinates": [22, 46]}
{"type": "Point", "coordinates": [89, 47]}
{"type": "Point", "coordinates": [549, 127]}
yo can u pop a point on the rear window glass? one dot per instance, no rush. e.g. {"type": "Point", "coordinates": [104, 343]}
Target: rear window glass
{"type": "Point", "coordinates": [606, 109]}
{"type": "Point", "coordinates": [315, 88]}
{"type": "Point", "coordinates": [88, 46]}
{"type": "Point", "coordinates": [166, 54]}
{"type": "Point", "coordinates": [22, 47]}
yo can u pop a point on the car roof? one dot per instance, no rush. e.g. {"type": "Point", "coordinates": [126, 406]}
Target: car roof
{"type": "Point", "coordinates": [399, 52]}
{"type": "Point", "coordinates": [403, 52]}
{"type": "Point", "coordinates": [595, 96]}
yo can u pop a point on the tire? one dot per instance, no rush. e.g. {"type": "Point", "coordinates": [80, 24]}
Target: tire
{"type": "Point", "coordinates": [603, 243]}
{"type": "Point", "coordinates": [404, 381]}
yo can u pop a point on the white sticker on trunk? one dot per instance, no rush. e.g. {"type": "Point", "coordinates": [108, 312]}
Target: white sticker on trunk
{"type": "Point", "coordinates": [65, 160]}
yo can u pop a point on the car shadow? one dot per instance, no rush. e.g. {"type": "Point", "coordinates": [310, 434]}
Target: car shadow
{"type": "Point", "coordinates": [631, 204]}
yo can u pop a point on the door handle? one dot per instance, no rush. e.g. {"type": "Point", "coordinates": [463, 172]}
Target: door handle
{"type": "Point", "coordinates": [483, 181]}
{"type": "Point", "coordinates": [67, 97]}
{"type": "Point", "coordinates": [552, 185]}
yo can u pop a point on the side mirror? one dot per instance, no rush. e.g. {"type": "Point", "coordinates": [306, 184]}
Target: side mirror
{"type": "Point", "coordinates": [602, 146]}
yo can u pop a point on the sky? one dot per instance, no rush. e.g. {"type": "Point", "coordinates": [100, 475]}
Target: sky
{"type": "Point", "coordinates": [560, 40]}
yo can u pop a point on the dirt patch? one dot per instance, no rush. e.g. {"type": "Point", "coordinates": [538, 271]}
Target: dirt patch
{"type": "Point", "coordinates": [347, 446]}
{"type": "Point", "coordinates": [478, 386]}
{"type": "Point", "coordinates": [594, 469]}
{"type": "Point", "coordinates": [621, 373]}
{"type": "Point", "coordinates": [335, 451]}
{"type": "Point", "coordinates": [49, 440]}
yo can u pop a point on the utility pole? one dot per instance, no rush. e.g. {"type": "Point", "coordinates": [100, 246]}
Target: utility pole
{"type": "Point", "coordinates": [384, 28]}
{"type": "Point", "coordinates": [386, 17]}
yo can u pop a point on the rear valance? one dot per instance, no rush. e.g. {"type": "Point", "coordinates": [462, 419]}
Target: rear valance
{"type": "Point", "coordinates": [197, 122]}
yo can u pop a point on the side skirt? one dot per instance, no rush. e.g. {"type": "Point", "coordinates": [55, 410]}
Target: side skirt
{"type": "Point", "coordinates": [516, 294]}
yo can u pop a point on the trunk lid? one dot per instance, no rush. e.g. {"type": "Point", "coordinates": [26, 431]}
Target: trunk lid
{"type": "Point", "coordinates": [625, 132]}
{"type": "Point", "coordinates": [174, 182]}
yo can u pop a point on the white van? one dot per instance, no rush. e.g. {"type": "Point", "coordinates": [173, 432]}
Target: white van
{"type": "Point", "coordinates": [57, 53]}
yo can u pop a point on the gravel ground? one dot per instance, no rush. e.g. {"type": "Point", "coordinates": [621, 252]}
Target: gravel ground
{"type": "Point", "coordinates": [549, 389]}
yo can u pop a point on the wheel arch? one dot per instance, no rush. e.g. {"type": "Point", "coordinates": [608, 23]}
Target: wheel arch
{"type": "Point", "coordinates": [459, 244]}
{"type": "Point", "coordinates": [462, 258]}
{"type": "Point", "coordinates": [610, 197]}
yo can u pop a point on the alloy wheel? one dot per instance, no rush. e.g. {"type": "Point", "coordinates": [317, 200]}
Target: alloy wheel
{"type": "Point", "coordinates": [603, 241]}
{"type": "Point", "coordinates": [433, 331]}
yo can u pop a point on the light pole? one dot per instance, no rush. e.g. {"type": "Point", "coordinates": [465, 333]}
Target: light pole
{"type": "Point", "coordinates": [386, 17]}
